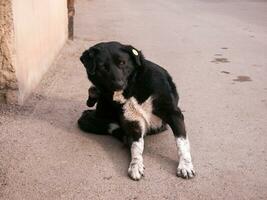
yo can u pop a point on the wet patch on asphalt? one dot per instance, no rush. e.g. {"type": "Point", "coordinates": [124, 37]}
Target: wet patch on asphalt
{"type": "Point", "coordinates": [220, 60]}
{"type": "Point", "coordinates": [225, 72]}
{"type": "Point", "coordinates": [107, 178]}
{"type": "Point", "coordinates": [242, 79]}
{"type": "Point", "coordinates": [255, 65]}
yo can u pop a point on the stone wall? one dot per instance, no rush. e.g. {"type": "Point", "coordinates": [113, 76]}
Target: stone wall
{"type": "Point", "coordinates": [8, 81]}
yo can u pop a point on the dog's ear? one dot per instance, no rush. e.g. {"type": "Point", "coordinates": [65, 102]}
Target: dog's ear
{"type": "Point", "coordinates": [88, 60]}
{"type": "Point", "coordinates": [136, 55]}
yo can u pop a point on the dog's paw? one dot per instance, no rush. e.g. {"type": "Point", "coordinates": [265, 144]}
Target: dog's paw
{"type": "Point", "coordinates": [136, 170]}
{"type": "Point", "coordinates": [185, 169]}
{"type": "Point", "coordinates": [91, 102]}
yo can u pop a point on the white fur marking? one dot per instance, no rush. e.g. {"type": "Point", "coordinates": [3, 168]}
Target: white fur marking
{"type": "Point", "coordinates": [141, 113]}
{"type": "Point", "coordinates": [118, 97]}
{"type": "Point", "coordinates": [112, 127]}
{"type": "Point", "coordinates": [136, 167]}
{"type": "Point", "coordinates": [185, 168]}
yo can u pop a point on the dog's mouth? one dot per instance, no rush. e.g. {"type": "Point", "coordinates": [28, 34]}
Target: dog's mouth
{"type": "Point", "coordinates": [117, 86]}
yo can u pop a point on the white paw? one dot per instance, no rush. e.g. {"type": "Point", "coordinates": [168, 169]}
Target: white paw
{"type": "Point", "coordinates": [136, 170]}
{"type": "Point", "coordinates": [185, 169]}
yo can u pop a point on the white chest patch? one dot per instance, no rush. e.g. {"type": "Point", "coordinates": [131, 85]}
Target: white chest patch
{"type": "Point", "coordinates": [139, 112]}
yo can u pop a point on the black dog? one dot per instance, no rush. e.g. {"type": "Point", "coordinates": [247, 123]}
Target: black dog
{"type": "Point", "coordinates": [134, 97]}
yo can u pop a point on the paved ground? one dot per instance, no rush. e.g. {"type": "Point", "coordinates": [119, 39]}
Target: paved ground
{"type": "Point", "coordinates": [217, 54]}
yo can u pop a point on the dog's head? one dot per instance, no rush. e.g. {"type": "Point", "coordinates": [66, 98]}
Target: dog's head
{"type": "Point", "coordinates": [108, 65]}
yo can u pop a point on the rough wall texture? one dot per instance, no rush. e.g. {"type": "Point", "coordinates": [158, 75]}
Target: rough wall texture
{"type": "Point", "coordinates": [8, 81]}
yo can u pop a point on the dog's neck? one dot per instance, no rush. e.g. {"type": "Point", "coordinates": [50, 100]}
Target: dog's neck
{"type": "Point", "coordinates": [131, 79]}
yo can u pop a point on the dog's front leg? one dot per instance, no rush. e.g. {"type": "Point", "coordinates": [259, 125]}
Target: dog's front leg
{"type": "Point", "coordinates": [136, 167]}
{"type": "Point", "coordinates": [134, 126]}
{"type": "Point", "coordinates": [185, 168]}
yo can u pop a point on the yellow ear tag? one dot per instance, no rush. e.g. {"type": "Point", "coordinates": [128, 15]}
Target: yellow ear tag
{"type": "Point", "coordinates": [135, 52]}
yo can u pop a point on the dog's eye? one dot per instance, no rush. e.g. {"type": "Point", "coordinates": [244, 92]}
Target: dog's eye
{"type": "Point", "coordinates": [106, 67]}
{"type": "Point", "coordinates": [121, 62]}
{"type": "Point", "coordinates": [103, 66]}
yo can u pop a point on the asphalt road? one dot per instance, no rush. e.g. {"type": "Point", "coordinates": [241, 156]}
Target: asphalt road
{"type": "Point", "coordinates": [216, 52]}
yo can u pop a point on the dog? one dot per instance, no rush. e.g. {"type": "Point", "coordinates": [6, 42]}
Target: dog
{"type": "Point", "coordinates": [134, 97]}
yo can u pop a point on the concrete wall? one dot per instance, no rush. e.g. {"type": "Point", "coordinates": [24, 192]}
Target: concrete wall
{"type": "Point", "coordinates": [40, 31]}
{"type": "Point", "coordinates": [8, 81]}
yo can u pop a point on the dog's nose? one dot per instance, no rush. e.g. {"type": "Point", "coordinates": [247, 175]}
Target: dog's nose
{"type": "Point", "coordinates": [118, 84]}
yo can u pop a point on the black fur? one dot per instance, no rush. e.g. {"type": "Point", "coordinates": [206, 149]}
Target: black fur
{"type": "Point", "coordinates": [112, 66]}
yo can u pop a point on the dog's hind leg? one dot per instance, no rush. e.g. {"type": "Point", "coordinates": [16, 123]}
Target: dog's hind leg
{"type": "Point", "coordinates": [90, 123]}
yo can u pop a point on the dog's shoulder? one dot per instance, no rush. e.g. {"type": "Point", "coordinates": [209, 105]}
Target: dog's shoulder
{"type": "Point", "coordinates": [151, 80]}
{"type": "Point", "coordinates": [153, 70]}
{"type": "Point", "coordinates": [158, 77]}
